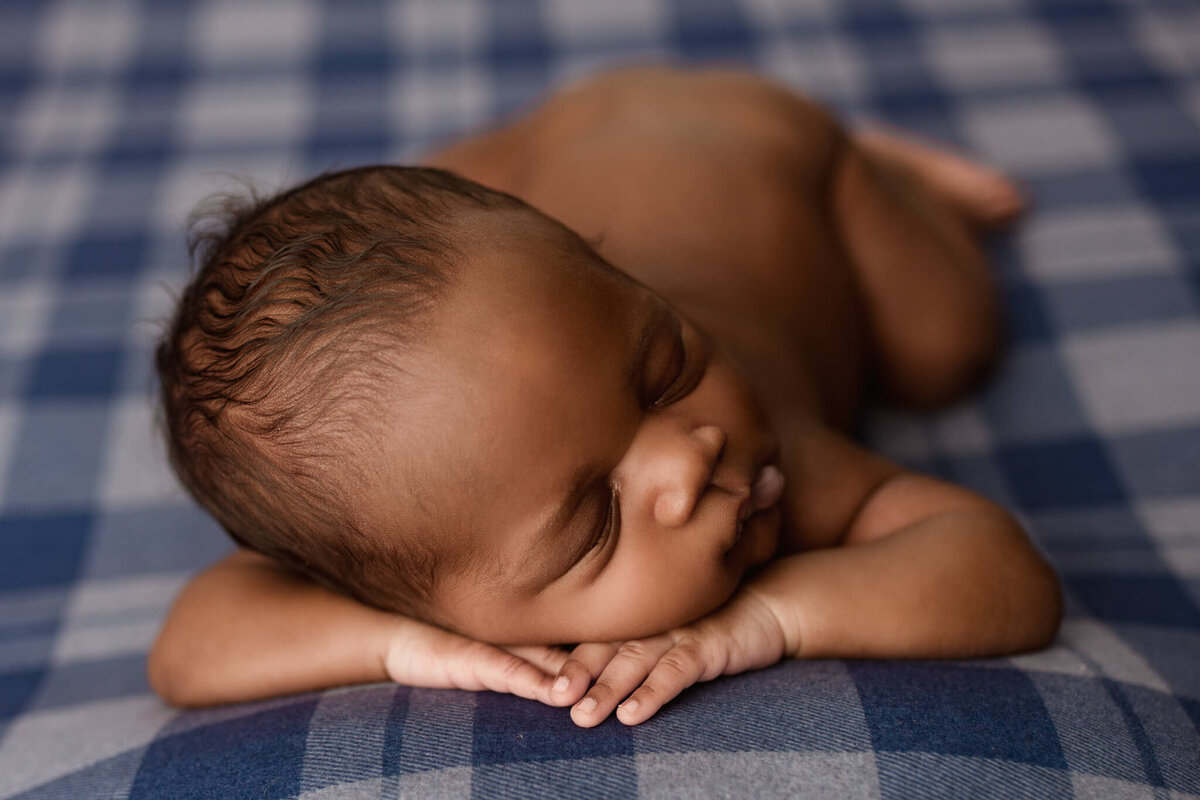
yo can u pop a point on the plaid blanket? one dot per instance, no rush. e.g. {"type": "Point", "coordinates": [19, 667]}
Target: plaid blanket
{"type": "Point", "coordinates": [117, 116]}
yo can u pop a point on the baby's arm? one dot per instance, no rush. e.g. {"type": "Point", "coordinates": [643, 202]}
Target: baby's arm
{"type": "Point", "coordinates": [246, 629]}
{"type": "Point", "coordinates": [925, 569]}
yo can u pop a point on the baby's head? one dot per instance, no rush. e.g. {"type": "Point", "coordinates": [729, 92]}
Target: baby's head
{"type": "Point", "coordinates": [430, 396]}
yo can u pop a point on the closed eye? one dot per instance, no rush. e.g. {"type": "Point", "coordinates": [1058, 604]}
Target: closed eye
{"type": "Point", "coordinates": [608, 525]}
{"type": "Point", "coordinates": [685, 368]}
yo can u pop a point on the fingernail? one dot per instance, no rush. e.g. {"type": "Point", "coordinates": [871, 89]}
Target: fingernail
{"type": "Point", "coordinates": [587, 705]}
{"type": "Point", "coordinates": [630, 706]}
{"type": "Point", "coordinates": [561, 684]}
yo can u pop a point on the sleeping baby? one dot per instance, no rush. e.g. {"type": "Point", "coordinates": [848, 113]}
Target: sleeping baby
{"type": "Point", "coordinates": [565, 411]}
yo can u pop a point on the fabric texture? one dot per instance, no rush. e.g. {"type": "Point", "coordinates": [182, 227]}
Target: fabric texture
{"type": "Point", "coordinates": [116, 117]}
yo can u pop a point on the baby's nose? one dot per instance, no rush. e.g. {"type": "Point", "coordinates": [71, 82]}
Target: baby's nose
{"type": "Point", "coordinates": [687, 479]}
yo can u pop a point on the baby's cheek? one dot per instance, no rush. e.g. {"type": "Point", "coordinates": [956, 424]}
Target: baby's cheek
{"type": "Point", "coordinates": [680, 596]}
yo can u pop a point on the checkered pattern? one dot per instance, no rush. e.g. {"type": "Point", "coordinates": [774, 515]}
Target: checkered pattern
{"type": "Point", "coordinates": [116, 116]}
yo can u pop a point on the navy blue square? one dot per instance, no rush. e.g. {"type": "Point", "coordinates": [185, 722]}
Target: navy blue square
{"type": "Point", "coordinates": [19, 262]}
{"type": "Point", "coordinates": [393, 734]}
{"type": "Point", "coordinates": [1147, 599]}
{"type": "Point", "coordinates": [256, 756]}
{"type": "Point", "coordinates": [918, 707]}
{"type": "Point", "coordinates": [1192, 707]}
{"type": "Point", "coordinates": [41, 551]}
{"type": "Point", "coordinates": [74, 372]}
{"type": "Point", "coordinates": [509, 729]}
{"type": "Point", "coordinates": [362, 59]}
{"type": "Point", "coordinates": [553, 780]}
{"type": "Point", "coordinates": [15, 690]}
{"type": "Point", "coordinates": [106, 255]}
{"type": "Point", "coordinates": [93, 680]}
{"type": "Point", "coordinates": [1064, 474]}
{"type": "Point", "coordinates": [793, 706]}
{"type": "Point", "coordinates": [1170, 178]}
{"type": "Point", "coordinates": [708, 29]}
{"type": "Point", "coordinates": [516, 36]}
{"type": "Point", "coordinates": [345, 151]}
{"type": "Point", "coordinates": [1026, 319]}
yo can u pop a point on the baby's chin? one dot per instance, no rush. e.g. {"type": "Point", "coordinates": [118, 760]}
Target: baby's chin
{"type": "Point", "coordinates": [660, 619]}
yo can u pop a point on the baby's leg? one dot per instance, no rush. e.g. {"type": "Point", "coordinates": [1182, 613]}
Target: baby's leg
{"type": "Point", "coordinates": [982, 197]}
{"type": "Point", "coordinates": [909, 217]}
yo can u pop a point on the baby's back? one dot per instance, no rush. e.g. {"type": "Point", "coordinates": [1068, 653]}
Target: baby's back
{"type": "Point", "coordinates": [713, 189]}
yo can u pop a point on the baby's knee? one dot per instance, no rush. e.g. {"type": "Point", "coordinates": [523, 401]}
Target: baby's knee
{"type": "Point", "coordinates": [944, 358]}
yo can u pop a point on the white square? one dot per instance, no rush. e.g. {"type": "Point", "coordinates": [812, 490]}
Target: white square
{"type": "Point", "coordinates": [1044, 134]}
{"type": "Point", "coordinates": [1174, 526]}
{"type": "Point", "coordinates": [192, 181]}
{"type": "Point", "coordinates": [1171, 520]}
{"type": "Point", "coordinates": [234, 32]}
{"type": "Point", "coordinates": [1085, 785]}
{"type": "Point", "coordinates": [1170, 36]}
{"type": "Point", "coordinates": [1130, 379]}
{"type": "Point", "coordinates": [94, 642]}
{"type": "Point", "coordinates": [1096, 242]}
{"type": "Point", "coordinates": [993, 54]}
{"type": "Point", "coordinates": [40, 746]}
{"type": "Point", "coordinates": [153, 304]}
{"type": "Point", "coordinates": [42, 204]}
{"type": "Point", "coordinates": [113, 617]}
{"type": "Point", "coordinates": [127, 597]}
{"type": "Point", "coordinates": [58, 120]}
{"type": "Point", "coordinates": [825, 67]}
{"type": "Point", "coordinates": [428, 102]}
{"type": "Point", "coordinates": [570, 22]}
{"type": "Point", "coordinates": [961, 431]}
{"type": "Point", "coordinates": [585, 62]}
{"type": "Point", "coordinates": [135, 471]}
{"type": "Point", "coordinates": [24, 311]}
{"type": "Point", "coordinates": [1191, 102]}
{"type": "Point", "coordinates": [421, 26]}
{"type": "Point", "coordinates": [1097, 642]}
{"type": "Point", "coordinates": [9, 416]}
{"type": "Point", "coordinates": [87, 36]}
{"type": "Point", "coordinates": [260, 111]}
{"type": "Point", "coordinates": [124, 204]}
{"type": "Point", "coordinates": [42, 477]}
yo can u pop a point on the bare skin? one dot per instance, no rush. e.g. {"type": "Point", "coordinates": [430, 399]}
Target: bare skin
{"type": "Point", "coordinates": [810, 257]}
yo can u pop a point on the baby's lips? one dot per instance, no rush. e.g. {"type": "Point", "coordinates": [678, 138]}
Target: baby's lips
{"type": "Point", "coordinates": [767, 489]}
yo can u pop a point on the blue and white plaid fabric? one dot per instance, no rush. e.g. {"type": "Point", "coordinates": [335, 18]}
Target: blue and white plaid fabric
{"type": "Point", "coordinates": [117, 117]}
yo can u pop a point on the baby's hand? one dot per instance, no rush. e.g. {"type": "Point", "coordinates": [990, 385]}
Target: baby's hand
{"type": "Point", "coordinates": [742, 635]}
{"type": "Point", "coordinates": [419, 654]}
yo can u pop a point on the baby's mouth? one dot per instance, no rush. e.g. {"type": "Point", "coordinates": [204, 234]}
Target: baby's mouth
{"type": "Point", "coordinates": [765, 493]}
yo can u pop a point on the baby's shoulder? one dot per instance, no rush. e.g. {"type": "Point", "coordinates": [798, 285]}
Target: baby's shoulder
{"type": "Point", "coordinates": [685, 113]}
{"type": "Point", "coordinates": [829, 478]}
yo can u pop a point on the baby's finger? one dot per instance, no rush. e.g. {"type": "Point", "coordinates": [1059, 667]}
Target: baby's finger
{"type": "Point", "coordinates": [501, 671]}
{"type": "Point", "coordinates": [677, 670]}
{"type": "Point", "coordinates": [628, 668]}
{"type": "Point", "coordinates": [548, 659]}
{"type": "Point", "coordinates": [579, 670]}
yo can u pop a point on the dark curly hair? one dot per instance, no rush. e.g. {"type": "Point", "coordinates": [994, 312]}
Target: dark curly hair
{"type": "Point", "coordinates": [285, 334]}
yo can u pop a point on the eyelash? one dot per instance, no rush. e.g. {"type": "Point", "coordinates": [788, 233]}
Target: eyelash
{"type": "Point", "coordinates": [673, 391]}
{"type": "Point", "coordinates": [609, 523]}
